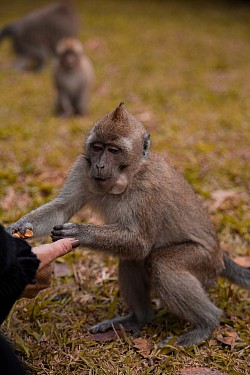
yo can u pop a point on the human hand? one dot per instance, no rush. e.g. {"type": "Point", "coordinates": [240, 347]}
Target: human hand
{"type": "Point", "coordinates": [47, 254]}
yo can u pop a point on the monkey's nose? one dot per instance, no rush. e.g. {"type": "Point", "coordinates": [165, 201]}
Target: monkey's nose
{"type": "Point", "coordinates": [99, 166]}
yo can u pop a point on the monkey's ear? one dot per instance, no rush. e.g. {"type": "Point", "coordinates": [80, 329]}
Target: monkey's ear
{"type": "Point", "coordinates": [146, 145]}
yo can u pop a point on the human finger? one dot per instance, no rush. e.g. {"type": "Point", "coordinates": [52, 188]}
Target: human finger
{"type": "Point", "coordinates": [49, 252]}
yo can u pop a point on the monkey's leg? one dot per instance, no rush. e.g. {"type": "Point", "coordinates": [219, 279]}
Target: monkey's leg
{"type": "Point", "coordinates": [38, 63]}
{"type": "Point", "coordinates": [81, 102]}
{"type": "Point", "coordinates": [134, 286]}
{"type": "Point", "coordinates": [65, 107]}
{"type": "Point", "coordinates": [36, 55]}
{"type": "Point", "coordinates": [183, 294]}
{"type": "Point", "coordinates": [21, 64]}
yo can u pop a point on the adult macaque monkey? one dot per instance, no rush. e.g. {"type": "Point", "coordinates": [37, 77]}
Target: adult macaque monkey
{"type": "Point", "coordinates": [155, 225]}
{"type": "Point", "coordinates": [73, 77]}
{"type": "Point", "coordinates": [35, 35]}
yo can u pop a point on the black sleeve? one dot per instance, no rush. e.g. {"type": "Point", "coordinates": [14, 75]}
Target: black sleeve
{"type": "Point", "coordinates": [9, 363]}
{"type": "Point", "coordinates": [18, 267]}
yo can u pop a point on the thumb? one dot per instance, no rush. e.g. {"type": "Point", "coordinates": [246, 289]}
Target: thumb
{"type": "Point", "coordinates": [49, 252]}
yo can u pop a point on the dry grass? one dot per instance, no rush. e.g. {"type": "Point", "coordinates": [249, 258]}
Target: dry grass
{"type": "Point", "coordinates": [183, 69]}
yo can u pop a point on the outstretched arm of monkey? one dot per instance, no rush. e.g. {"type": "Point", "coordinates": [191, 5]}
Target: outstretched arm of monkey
{"type": "Point", "coordinates": [115, 240]}
{"type": "Point", "coordinates": [70, 200]}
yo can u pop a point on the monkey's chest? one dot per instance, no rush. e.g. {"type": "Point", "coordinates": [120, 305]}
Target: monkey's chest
{"type": "Point", "coordinates": [71, 84]}
{"type": "Point", "coordinates": [112, 210]}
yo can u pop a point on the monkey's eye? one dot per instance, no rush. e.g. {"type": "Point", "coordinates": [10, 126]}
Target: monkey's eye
{"type": "Point", "coordinates": [122, 167]}
{"type": "Point", "coordinates": [97, 147]}
{"type": "Point", "coordinates": [113, 150]}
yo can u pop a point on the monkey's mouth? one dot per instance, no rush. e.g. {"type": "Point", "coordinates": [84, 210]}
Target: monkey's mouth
{"type": "Point", "coordinates": [99, 178]}
{"type": "Point", "coordinates": [103, 183]}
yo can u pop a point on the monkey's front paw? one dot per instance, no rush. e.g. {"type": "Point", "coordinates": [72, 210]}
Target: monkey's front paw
{"type": "Point", "coordinates": [66, 230]}
{"type": "Point", "coordinates": [21, 229]}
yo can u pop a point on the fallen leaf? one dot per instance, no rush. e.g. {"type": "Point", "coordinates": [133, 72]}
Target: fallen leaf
{"type": "Point", "coordinates": [228, 338]}
{"type": "Point", "coordinates": [232, 334]}
{"type": "Point", "coordinates": [243, 261]}
{"type": "Point", "coordinates": [61, 269]}
{"type": "Point", "coordinates": [144, 346]}
{"type": "Point", "coordinates": [199, 371]}
{"type": "Point", "coordinates": [221, 196]}
{"type": "Point", "coordinates": [109, 335]}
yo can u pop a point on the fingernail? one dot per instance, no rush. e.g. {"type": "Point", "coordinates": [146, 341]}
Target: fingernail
{"type": "Point", "coordinates": [75, 243]}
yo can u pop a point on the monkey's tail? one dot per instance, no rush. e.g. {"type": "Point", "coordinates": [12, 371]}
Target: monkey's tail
{"type": "Point", "coordinates": [235, 273]}
{"type": "Point", "coordinates": [7, 31]}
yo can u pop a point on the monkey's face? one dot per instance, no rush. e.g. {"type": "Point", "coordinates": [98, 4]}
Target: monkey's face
{"type": "Point", "coordinates": [116, 147]}
{"type": "Point", "coordinates": [69, 60]}
{"type": "Point", "coordinates": [107, 168]}
{"type": "Point", "coordinates": [69, 51]}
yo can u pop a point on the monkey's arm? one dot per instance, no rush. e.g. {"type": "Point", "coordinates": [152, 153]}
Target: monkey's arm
{"type": "Point", "coordinates": [70, 200]}
{"type": "Point", "coordinates": [121, 242]}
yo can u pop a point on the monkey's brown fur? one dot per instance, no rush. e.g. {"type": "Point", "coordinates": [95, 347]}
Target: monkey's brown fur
{"type": "Point", "coordinates": [36, 35]}
{"type": "Point", "coordinates": [73, 76]}
{"type": "Point", "coordinates": [155, 225]}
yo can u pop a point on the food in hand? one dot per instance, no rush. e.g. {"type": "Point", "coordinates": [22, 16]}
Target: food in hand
{"type": "Point", "coordinates": [28, 233]}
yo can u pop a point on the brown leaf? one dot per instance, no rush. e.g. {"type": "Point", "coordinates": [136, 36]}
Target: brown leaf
{"type": "Point", "coordinates": [243, 261]}
{"type": "Point", "coordinates": [199, 371]}
{"type": "Point", "coordinates": [221, 196]}
{"type": "Point", "coordinates": [61, 269]}
{"type": "Point", "coordinates": [144, 346]}
{"type": "Point", "coordinates": [228, 338]}
{"type": "Point", "coordinates": [232, 334]}
{"type": "Point", "coordinates": [109, 335]}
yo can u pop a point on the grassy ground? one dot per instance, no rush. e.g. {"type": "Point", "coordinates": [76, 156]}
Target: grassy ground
{"type": "Point", "coordinates": [183, 69]}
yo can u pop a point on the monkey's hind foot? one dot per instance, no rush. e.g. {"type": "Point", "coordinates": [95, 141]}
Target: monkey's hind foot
{"type": "Point", "coordinates": [193, 337]}
{"type": "Point", "coordinates": [128, 322]}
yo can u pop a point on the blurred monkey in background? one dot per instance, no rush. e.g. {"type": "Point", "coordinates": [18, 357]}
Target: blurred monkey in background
{"type": "Point", "coordinates": [73, 76]}
{"type": "Point", "coordinates": [36, 35]}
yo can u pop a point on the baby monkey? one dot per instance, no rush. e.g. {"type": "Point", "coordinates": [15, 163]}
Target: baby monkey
{"type": "Point", "coordinates": [73, 77]}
